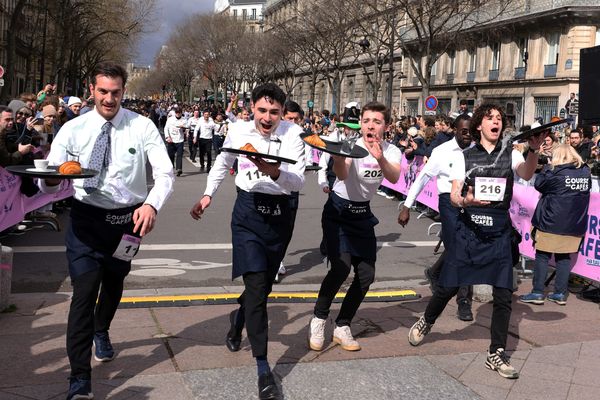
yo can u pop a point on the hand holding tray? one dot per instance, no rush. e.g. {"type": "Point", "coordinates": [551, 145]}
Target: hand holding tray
{"type": "Point", "coordinates": [50, 173]}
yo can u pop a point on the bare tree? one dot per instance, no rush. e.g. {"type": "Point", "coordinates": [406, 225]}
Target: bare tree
{"type": "Point", "coordinates": [323, 36]}
{"type": "Point", "coordinates": [428, 29]}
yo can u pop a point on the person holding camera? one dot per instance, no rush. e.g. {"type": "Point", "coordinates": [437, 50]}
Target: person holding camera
{"type": "Point", "coordinates": [559, 222]}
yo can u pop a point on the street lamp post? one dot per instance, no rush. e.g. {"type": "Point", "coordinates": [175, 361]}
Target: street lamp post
{"type": "Point", "coordinates": [390, 85]}
{"type": "Point", "coordinates": [525, 58]}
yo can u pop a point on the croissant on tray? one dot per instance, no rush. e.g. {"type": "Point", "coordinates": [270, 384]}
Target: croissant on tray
{"type": "Point", "coordinates": [315, 140]}
{"type": "Point", "coordinates": [249, 147]}
{"type": "Point", "coordinates": [70, 168]}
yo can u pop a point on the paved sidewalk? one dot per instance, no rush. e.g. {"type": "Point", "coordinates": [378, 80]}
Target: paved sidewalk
{"type": "Point", "coordinates": [178, 353]}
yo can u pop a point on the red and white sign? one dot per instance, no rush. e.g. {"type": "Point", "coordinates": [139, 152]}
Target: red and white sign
{"type": "Point", "coordinates": [1, 71]}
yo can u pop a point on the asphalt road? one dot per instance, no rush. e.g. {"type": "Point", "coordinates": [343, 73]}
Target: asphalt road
{"type": "Point", "coordinates": [181, 252]}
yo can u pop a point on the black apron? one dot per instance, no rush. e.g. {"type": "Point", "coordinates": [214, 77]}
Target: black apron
{"type": "Point", "coordinates": [96, 232]}
{"type": "Point", "coordinates": [481, 249]}
{"type": "Point", "coordinates": [260, 229]}
{"type": "Point", "coordinates": [349, 227]}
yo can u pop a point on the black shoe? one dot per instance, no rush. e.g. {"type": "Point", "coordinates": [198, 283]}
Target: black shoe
{"type": "Point", "coordinates": [464, 311]}
{"type": "Point", "coordinates": [233, 341]}
{"type": "Point", "coordinates": [267, 388]}
{"type": "Point", "coordinates": [179, 172]}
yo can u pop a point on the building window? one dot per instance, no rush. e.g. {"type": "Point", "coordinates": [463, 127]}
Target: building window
{"type": "Point", "coordinates": [244, 14]}
{"type": "Point", "coordinates": [412, 107]}
{"type": "Point", "coordinates": [553, 41]}
{"type": "Point", "coordinates": [472, 60]}
{"type": "Point", "coordinates": [523, 45]}
{"type": "Point", "coordinates": [451, 61]}
{"type": "Point", "coordinates": [253, 16]}
{"type": "Point", "coordinates": [235, 13]}
{"type": "Point", "coordinates": [351, 91]}
{"type": "Point", "coordinates": [597, 36]}
{"type": "Point", "coordinates": [546, 107]}
{"type": "Point", "coordinates": [369, 92]}
{"type": "Point", "coordinates": [298, 95]}
{"type": "Point", "coordinates": [495, 56]}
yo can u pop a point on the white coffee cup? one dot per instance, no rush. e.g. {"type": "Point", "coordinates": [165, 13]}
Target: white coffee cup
{"type": "Point", "coordinates": [41, 165]}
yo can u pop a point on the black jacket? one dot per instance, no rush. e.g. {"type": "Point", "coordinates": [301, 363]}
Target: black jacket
{"type": "Point", "coordinates": [563, 207]}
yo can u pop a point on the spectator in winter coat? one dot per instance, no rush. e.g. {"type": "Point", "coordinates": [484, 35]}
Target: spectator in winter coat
{"type": "Point", "coordinates": [560, 221]}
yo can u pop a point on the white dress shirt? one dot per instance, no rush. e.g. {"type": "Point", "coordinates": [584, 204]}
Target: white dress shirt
{"type": "Point", "coordinates": [439, 165]}
{"type": "Point", "coordinates": [291, 177]}
{"type": "Point", "coordinates": [204, 129]}
{"type": "Point", "coordinates": [134, 141]}
{"type": "Point", "coordinates": [175, 129]}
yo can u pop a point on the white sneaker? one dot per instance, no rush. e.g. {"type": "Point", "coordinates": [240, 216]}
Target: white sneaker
{"type": "Point", "coordinates": [282, 269]}
{"type": "Point", "coordinates": [381, 193]}
{"type": "Point", "coordinates": [316, 333]}
{"type": "Point", "coordinates": [343, 336]}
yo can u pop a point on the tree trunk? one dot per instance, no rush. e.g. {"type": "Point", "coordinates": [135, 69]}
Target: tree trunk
{"type": "Point", "coordinates": [16, 22]}
{"type": "Point", "coordinates": [424, 95]}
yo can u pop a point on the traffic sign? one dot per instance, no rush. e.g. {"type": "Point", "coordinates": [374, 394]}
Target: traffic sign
{"type": "Point", "coordinates": [310, 104]}
{"type": "Point", "coordinates": [431, 103]}
{"type": "Point", "coordinates": [1, 82]}
{"type": "Point", "coordinates": [574, 107]}
{"type": "Point", "coordinates": [1, 71]}
{"type": "Point", "coordinates": [430, 112]}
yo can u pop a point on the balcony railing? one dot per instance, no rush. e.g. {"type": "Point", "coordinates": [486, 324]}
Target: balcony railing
{"type": "Point", "coordinates": [494, 73]}
{"type": "Point", "coordinates": [471, 76]}
{"type": "Point", "coordinates": [550, 71]}
{"type": "Point", "coordinates": [520, 73]}
{"type": "Point", "coordinates": [449, 79]}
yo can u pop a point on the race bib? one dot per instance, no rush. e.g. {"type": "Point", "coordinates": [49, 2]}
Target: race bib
{"type": "Point", "coordinates": [370, 172]}
{"type": "Point", "coordinates": [128, 247]}
{"type": "Point", "coordinates": [251, 174]}
{"type": "Point", "coordinates": [490, 189]}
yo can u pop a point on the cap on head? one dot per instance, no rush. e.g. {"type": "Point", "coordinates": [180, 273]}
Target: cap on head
{"type": "Point", "coordinates": [351, 116]}
{"type": "Point", "coordinates": [73, 100]}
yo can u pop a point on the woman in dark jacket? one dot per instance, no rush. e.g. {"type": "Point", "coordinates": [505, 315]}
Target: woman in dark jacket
{"type": "Point", "coordinates": [560, 221]}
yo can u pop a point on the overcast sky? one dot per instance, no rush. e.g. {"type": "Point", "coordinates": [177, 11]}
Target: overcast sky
{"type": "Point", "coordinates": [169, 14]}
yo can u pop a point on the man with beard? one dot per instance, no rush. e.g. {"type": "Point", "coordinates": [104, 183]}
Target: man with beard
{"type": "Point", "coordinates": [440, 165]}
{"type": "Point", "coordinates": [260, 224]}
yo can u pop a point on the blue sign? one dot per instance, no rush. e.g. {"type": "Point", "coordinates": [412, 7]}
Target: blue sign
{"type": "Point", "coordinates": [431, 103]}
{"type": "Point", "coordinates": [310, 104]}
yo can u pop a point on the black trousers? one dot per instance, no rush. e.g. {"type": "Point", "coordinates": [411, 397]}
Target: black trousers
{"type": "Point", "coordinates": [87, 317]}
{"type": "Point", "coordinates": [253, 305]}
{"type": "Point", "coordinates": [192, 146]}
{"type": "Point", "coordinates": [175, 151]}
{"type": "Point", "coordinates": [364, 275]}
{"type": "Point", "coordinates": [502, 308]}
{"type": "Point", "coordinates": [205, 148]}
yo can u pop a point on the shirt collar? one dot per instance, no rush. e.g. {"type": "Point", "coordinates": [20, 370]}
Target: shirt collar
{"type": "Point", "coordinates": [115, 121]}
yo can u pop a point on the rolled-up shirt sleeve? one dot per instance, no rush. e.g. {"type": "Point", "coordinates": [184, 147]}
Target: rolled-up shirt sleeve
{"type": "Point", "coordinates": [292, 177]}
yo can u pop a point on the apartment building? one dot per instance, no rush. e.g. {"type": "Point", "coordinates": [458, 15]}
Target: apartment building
{"type": "Point", "coordinates": [530, 69]}
{"type": "Point", "coordinates": [249, 12]}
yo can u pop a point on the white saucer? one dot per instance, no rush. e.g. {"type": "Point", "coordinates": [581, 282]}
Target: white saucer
{"type": "Point", "coordinates": [39, 170]}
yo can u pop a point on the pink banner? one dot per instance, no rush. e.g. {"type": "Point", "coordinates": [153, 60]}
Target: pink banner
{"type": "Point", "coordinates": [587, 262]}
{"type": "Point", "coordinates": [14, 205]}
{"type": "Point", "coordinates": [408, 174]}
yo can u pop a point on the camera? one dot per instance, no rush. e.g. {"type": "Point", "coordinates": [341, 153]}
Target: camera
{"type": "Point", "coordinates": [595, 168]}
